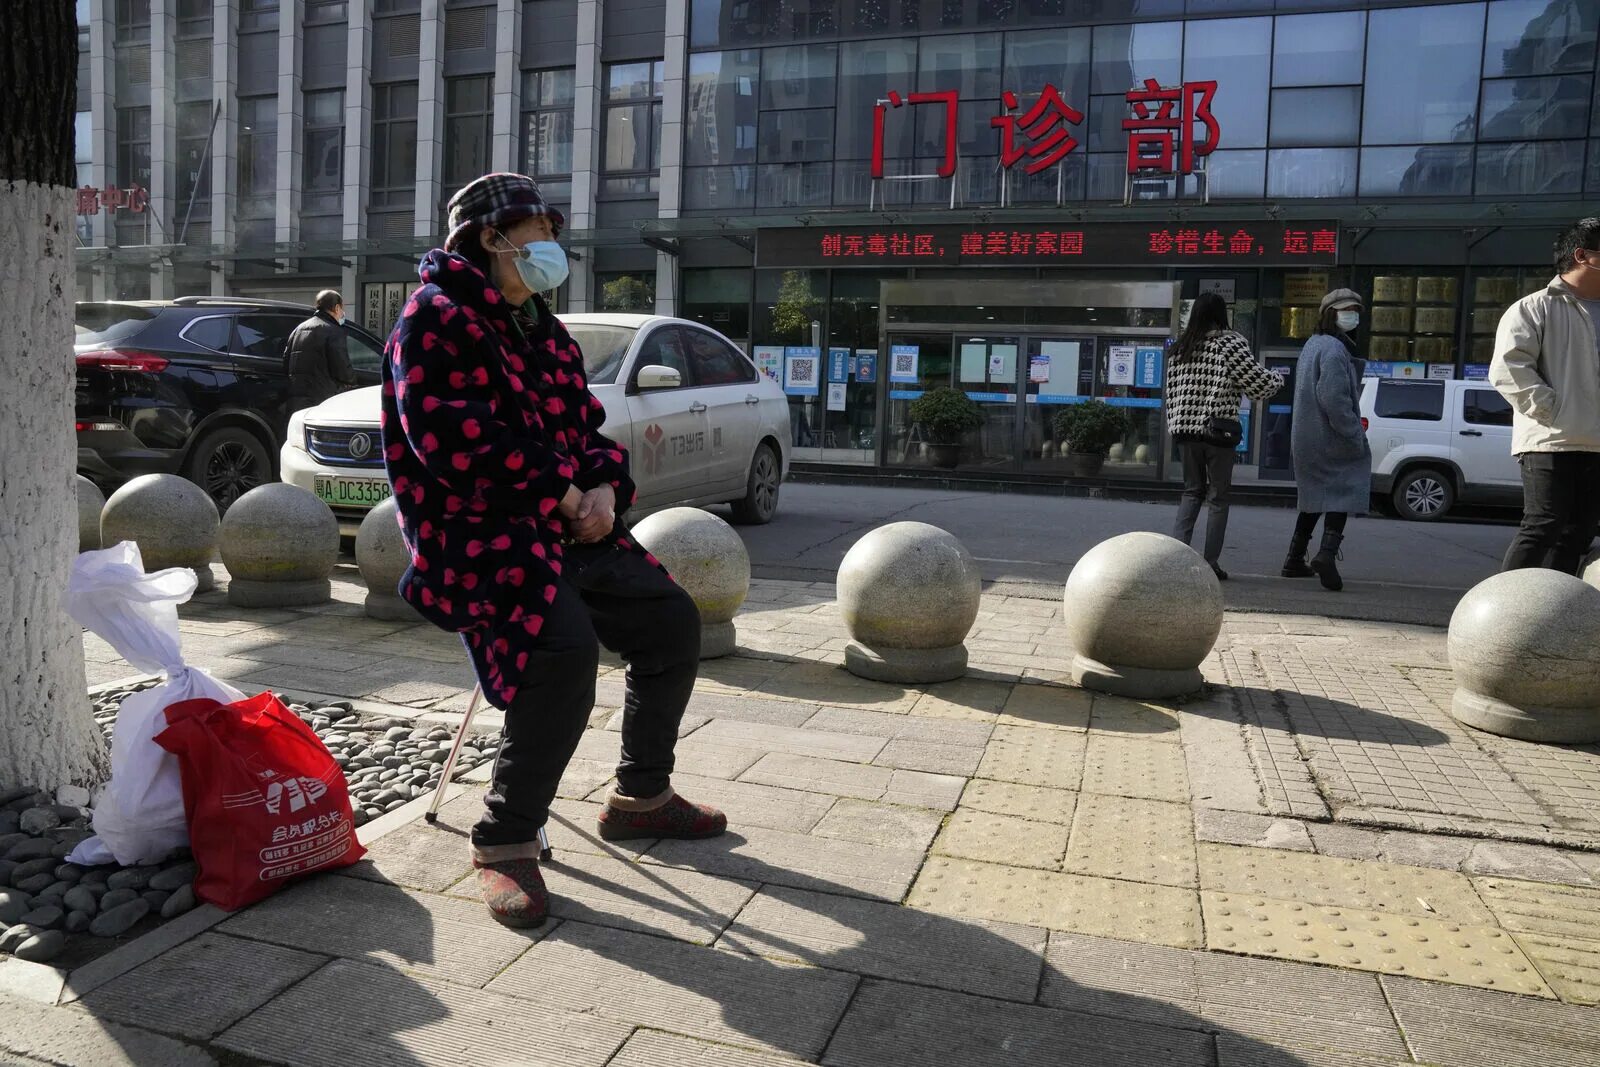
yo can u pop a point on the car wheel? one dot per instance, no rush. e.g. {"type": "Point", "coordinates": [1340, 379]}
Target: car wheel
{"type": "Point", "coordinates": [1424, 495]}
{"type": "Point", "coordinates": [760, 500]}
{"type": "Point", "coordinates": [227, 464]}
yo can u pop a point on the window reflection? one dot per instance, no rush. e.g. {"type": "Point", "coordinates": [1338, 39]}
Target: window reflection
{"type": "Point", "coordinates": [1320, 116]}
{"type": "Point", "coordinates": [1322, 49]}
{"type": "Point", "coordinates": [1312, 172]}
{"type": "Point", "coordinates": [1426, 170]}
{"type": "Point", "coordinates": [1234, 53]}
{"type": "Point", "coordinates": [1425, 58]}
{"type": "Point", "coordinates": [1539, 37]}
{"type": "Point", "coordinates": [1530, 169]}
{"type": "Point", "coordinates": [1519, 108]}
{"type": "Point", "coordinates": [720, 107]}
{"type": "Point", "coordinates": [1126, 55]}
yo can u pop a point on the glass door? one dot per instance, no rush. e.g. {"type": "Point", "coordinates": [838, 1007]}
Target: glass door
{"type": "Point", "coordinates": [1058, 371]}
{"type": "Point", "coordinates": [1129, 374]}
{"type": "Point", "coordinates": [913, 364]}
{"type": "Point", "coordinates": [985, 368]}
{"type": "Point", "coordinates": [987, 371]}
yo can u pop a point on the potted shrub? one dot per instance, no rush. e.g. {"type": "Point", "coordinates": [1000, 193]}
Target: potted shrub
{"type": "Point", "coordinates": [1087, 432]}
{"type": "Point", "coordinates": [945, 416]}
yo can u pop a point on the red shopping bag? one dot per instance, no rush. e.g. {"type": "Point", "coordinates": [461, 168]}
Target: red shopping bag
{"type": "Point", "coordinates": [265, 801]}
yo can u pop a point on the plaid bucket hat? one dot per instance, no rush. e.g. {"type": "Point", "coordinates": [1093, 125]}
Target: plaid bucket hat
{"type": "Point", "coordinates": [497, 200]}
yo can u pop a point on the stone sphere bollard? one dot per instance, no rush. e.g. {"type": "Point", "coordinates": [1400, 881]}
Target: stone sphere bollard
{"type": "Point", "coordinates": [707, 558]}
{"type": "Point", "coordinates": [171, 519]}
{"type": "Point", "coordinates": [1142, 611]}
{"type": "Point", "coordinates": [279, 543]}
{"type": "Point", "coordinates": [1589, 569]}
{"type": "Point", "coordinates": [909, 595]}
{"type": "Point", "coordinates": [91, 501]}
{"type": "Point", "coordinates": [382, 556]}
{"type": "Point", "coordinates": [1525, 650]}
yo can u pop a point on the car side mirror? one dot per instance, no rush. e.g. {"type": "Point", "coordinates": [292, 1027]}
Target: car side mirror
{"type": "Point", "coordinates": [659, 377]}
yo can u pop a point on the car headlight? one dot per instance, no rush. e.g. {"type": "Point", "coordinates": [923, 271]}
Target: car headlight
{"type": "Point", "coordinates": [296, 437]}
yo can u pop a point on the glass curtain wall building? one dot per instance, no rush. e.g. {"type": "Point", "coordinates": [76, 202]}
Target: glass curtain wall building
{"type": "Point", "coordinates": [767, 166]}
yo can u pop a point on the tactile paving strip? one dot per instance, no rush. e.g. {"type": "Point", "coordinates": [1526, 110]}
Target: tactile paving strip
{"type": "Point", "coordinates": [1121, 715]}
{"type": "Point", "coordinates": [1051, 707]}
{"type": "Point", "coordinates": [1036, 802]}
{"type": "Point", "coordinates": [1034, 757]}
{"type": "Point", "coordinates": [1560, 910]}
{"type": "Point", "coordinates": [1129, 767]}
{"type": "Point", "coordinates": [1558, 926]}
{"type": "Point", "coordinates": [1335, 882]}
{"type": "Point", "coordinates": [1480, 956]}
{"type": "Point", "coordinates": [982, 835]}
{"type": "Point", "coordinates": [1138, 840]}
{"type": "Point", "coordinates": [1126, 911]}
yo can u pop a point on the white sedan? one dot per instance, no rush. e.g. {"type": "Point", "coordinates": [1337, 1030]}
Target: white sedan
{"type": "Point", "coordinates": [701, 424]}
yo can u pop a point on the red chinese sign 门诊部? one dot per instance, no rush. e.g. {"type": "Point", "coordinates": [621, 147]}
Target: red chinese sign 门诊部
{"type": "Point", "coordinates": [1253, 243]}
{"type": "Point", "coordinates": [1161, 127]}
{"type": "Point", "coordinates": [92, 201]}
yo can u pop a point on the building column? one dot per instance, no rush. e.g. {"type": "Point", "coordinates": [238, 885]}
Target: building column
{"type": "Point", "coordinates": [291, 119]}
{"type": "Point", "coordinates": [357, 168]}
{"type": "Point", "coordinates": [225, 140]}
{"type": "Point", "coordinates": [505, 151]}
{"type": "Point", "coordinates": [103, 130]}
{"type": "Point", "coordinates": [163, 206]}
{"type": "Point", "coordinates": [675, 62]}
{"type": "Point", "coordinates": [430, 120]}
{"type": "Point", "coordinates": [586, 119]}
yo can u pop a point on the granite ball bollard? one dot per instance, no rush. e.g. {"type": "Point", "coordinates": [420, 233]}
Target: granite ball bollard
{"type": "Point", "coordinates": [1525, 650]}
{"type": "Point", "coordinates": [705, 556]}
{"type": "Point", "coordinates": [1142, 611]}
{"type": "Point", "coordinates": [383, 558]}
{"type": "Point", "coordinates": [909, 595]}
{"type": "Point", "coordinates": [1589, 569]}
{"type": "Point", "coordinates": [279, 543]}
{"type": "Point", "coordinates": [172, 520]}
{"type": "Point", "coordinates": [91, 501]}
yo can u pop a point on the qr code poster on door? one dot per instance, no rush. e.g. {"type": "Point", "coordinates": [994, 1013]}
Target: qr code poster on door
{"type": "Point", "coordinates": [802, 371]}
{"type": "Point", "coordinates": [903, 363]}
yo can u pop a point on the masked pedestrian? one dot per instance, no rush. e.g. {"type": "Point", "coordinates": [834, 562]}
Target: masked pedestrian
{"type": "Point", "coordinates": [511, 501]}
{"type": "Point", "coordinates": [1332, 460]}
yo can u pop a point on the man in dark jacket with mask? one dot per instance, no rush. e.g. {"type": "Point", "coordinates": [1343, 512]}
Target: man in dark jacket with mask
{"type": "Point", "coordinates": [318, 357]}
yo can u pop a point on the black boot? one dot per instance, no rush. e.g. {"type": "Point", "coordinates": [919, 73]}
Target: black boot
{"type": "Point", "coordinates": [1325, 564]}
{"type": "Point", "coordinates": [1294, 564]}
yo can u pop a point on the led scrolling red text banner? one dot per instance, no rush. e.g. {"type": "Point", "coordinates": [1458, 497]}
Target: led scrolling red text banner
{"type": "Point", "coordinates": [1161, 128]}
{"type": "Point", "coordinates": [1242, 244]}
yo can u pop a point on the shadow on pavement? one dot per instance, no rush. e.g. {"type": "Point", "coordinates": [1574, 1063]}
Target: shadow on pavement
{"type": "Point", "coordinates": [932, 989]}
{"type": "Point", "coordinates": [1315, 716]}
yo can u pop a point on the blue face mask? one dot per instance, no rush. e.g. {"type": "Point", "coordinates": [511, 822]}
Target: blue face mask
{"type": "Point", "coordinates": [541, 264]}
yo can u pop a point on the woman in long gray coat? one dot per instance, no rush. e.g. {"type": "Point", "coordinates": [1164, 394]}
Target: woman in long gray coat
{"type": "Point", "coordinates": [1332, 461]}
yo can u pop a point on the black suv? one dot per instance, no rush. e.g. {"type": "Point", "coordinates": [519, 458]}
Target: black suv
{"type": "Point", "coordinates": [193, 386]}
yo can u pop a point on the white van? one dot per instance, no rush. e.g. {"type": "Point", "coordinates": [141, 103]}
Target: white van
{"type": "Point", "coordinates": [1438, 443]}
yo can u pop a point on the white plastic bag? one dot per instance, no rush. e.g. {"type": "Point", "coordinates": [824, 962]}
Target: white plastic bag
{"type": "Point", "coordinates": [139, 816]}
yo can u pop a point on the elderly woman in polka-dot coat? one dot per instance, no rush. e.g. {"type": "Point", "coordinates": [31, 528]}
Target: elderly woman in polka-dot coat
{"type": "Point", "coordinates": [508, 497]}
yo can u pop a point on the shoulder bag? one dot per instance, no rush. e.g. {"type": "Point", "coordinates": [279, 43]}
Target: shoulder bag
{"type": "Point", "coordinates": [1221, 431]}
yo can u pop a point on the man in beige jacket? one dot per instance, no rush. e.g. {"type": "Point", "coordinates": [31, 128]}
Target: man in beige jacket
{"type": "Point", "coordinates": [1547, 364]}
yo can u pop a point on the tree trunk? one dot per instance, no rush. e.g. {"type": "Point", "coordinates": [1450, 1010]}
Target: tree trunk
{"type": "Point", "coordinates": [47, 733]}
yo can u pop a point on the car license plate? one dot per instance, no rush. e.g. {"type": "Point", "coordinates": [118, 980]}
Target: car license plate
{"type": "Point", "coordinates": [352, 492]}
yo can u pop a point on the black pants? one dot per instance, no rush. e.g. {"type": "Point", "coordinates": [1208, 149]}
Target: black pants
{"type": "Point", "coordinates": [610, 597]}
{"type": "Point", "coordinates": [1305, 523]}
{"type": "Point", "coordinates": [1560, 509]}
{"type": "Point", "coordinates": [1207, 476]}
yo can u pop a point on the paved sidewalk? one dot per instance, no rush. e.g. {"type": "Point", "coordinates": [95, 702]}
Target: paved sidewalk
{"type": "Point", "coordinates": [1312, 865]}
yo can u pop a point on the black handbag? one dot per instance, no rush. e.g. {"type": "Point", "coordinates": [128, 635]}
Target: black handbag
{"type": "Point", "coordinates": [1222, 432]}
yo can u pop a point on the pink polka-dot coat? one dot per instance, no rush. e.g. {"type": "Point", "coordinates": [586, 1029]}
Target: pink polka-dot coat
{"type": "Point", "coordinates": [486, 424]}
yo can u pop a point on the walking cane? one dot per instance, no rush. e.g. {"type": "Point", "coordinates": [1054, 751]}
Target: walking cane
{"type": "Point", "coordinates": [432, 815]}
